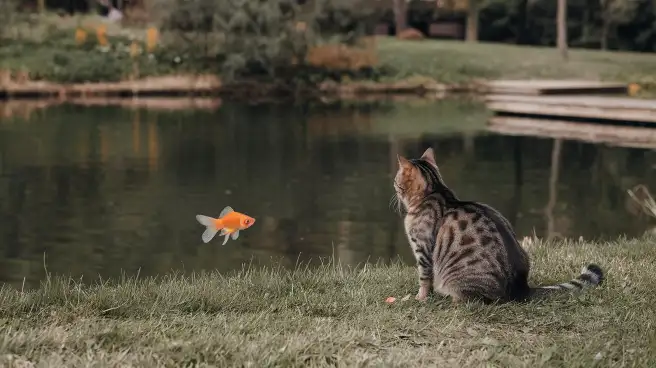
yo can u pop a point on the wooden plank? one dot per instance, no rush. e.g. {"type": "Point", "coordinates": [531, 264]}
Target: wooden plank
{"type": "Point", "coordinates": [540, 87]}
{"type": "Point", "coordinates": [550, 83]}
{"type": "Point", "coordinates": [635, 137]}
{"type": "Point", "coordinates": [644, 116]}
{"type": "Point", "coordinates": [627, 103]}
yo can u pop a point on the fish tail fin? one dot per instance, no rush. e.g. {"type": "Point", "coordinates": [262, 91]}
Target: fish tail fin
{"type": "Point", "coordinates": [212, 227]}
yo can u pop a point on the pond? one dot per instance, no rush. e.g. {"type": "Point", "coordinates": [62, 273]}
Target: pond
{"type": "Point", "coordinates": [100, 192]}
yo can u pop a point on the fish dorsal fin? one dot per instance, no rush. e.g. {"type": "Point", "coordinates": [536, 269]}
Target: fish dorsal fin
{"type": "Point", "coordinates": [226, 211]}
{"type": "Point", "coordinates": [235, 235]}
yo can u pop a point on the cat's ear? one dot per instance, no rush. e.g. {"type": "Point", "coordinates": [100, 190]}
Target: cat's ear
{"type": "Point", "coordinates": [403, 162]}
{"type": "Point", "coordinates": [429, 156]}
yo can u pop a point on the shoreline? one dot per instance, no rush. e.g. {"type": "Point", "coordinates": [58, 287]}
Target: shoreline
{"type": "Point", "coordinates": [211, 86]}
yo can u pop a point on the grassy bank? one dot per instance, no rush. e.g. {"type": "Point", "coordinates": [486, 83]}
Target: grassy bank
{"type": "Point", "coordinates": [336, 317]}
{"type": "Point", "coordinates": [457, 62]}
{"type": "Point", "coordinates": [48, 49]}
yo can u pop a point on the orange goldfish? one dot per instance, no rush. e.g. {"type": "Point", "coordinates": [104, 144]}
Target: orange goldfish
{"type": "Point", "coordinates": [229, 222]}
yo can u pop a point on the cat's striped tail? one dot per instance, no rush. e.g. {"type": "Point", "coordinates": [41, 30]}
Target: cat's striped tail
{"type": "Point", "coordinates": [591, 276]}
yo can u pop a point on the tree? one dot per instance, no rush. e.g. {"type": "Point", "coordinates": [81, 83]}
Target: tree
{"type": "Point", "coordinates": [561, 21]}
{"type": "Point", "coordinates": [473, 9]}
{"type": "Point", "coordinates": [614, 12]}
{"type": "Point", "coordinates": [400, 15]}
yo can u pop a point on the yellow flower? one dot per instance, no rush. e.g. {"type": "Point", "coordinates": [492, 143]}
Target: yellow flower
{"type": "Point", "coordinates": [151, 38]}
{"type": "Point", "coordinates": [134, 49]}
{"type": "Point", "coordinates": [101, 34]}
{"type": "Point", "coordinates": [80, 36]}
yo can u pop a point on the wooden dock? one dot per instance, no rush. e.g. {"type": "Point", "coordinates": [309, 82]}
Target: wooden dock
{"type": "Point", "coordinates": [620, 136]}
{"type": "Point", "coordinates": [593, 108]}
{"type": "Point", "coordinates": [536, 87]}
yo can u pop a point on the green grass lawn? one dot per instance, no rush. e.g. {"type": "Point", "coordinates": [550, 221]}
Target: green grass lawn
{"type": "Point", "coordinates": [49, 51]}
{"type": "Point", "coordinates": [455, 61]}
{"type": "Point", "coordinates": [333, 316]}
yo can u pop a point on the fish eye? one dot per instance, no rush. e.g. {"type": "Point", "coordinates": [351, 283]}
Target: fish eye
{"type": "Point", "coordinates": [247, 221]}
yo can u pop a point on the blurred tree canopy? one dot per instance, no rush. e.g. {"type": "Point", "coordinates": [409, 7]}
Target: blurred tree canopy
{"type": "Point", "coordinates": [611, 24]}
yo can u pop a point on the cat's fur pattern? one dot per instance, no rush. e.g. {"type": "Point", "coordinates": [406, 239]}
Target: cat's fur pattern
{"type": "Point", "coordinates": [466, 250]}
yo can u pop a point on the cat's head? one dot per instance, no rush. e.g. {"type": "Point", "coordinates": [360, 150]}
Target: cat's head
{"type": "Point", "coordinates": [416, 178]}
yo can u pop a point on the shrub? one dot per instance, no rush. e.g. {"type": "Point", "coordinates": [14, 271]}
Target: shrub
{"type": "Point", "coordinates": [265, 38]}
{"type": "Point", "coordinates": [347, 20]}
{"type": "Point", "coordinates": [62, 58]}
{"type": "Point", "coordinates": [8, 16]}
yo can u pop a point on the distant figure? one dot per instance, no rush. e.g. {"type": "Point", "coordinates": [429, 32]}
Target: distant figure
{"type": "Point", "coordinates": [113, 14]}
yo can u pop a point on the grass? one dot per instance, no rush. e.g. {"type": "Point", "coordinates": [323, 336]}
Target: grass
{"type": "Point", "coordinates": [332, 316]}
{"type": "Point", "coordinates": [454, 62]}
{"type": "Point", "coordinates": [48, 51]}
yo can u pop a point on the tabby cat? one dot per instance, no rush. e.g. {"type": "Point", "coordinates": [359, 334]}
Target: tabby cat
{"type": "Point", "coordinates": [466, 250]}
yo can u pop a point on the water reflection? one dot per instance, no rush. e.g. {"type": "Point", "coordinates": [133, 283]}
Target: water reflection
{"type": "Point", "coordinates": [104, 190]}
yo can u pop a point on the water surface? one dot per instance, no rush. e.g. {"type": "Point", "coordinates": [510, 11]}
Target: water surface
{"type": "Point", "coordinates": [101, 191]}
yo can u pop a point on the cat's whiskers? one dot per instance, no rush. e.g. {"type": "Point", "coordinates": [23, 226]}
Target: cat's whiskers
{"type": "Point", "coordinates": [395, 204]}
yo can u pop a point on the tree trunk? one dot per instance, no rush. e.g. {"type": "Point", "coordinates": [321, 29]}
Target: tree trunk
{"type": "Point", "coordinates": [561, 22]}
{"type": "Point", "coordinates": [42, 6]}
{"type": "Point", "coordinates": [523, 37]}
{"type": "Point", "coordinates": [472, 21]}
{"type": "Point", "coordinates": [400, 16]}
{"type": "Point", "coordinates": [604, 35]}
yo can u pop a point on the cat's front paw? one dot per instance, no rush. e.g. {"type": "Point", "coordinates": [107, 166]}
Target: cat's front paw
{"type": "Point", "coordinates": [422, 294]}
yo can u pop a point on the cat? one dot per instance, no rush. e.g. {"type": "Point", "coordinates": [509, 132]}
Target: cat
{"type": "Point", "coordinates": [464, 249]}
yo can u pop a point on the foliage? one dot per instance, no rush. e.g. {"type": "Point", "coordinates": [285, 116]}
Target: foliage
{"type": "Point", "coordinates": [614, 12]}
{"type": "Point", "coordinates": [8, 16]}
{"type": "Point", "coordinates": [336, 316]}
{"type": "Point", "coordinates": [349, 19]}
{"type": "Point", "coordinates": [245, 39]}
{"type": "Point", "coordinates": [59, 58]}
{"type": "Point", "coordinates": [255, 38]}
{"type": "Point", "coordinates": [622, 24]}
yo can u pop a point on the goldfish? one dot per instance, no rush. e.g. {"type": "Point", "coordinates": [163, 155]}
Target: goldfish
{"type": "Point", "coordinates": [229, 222]}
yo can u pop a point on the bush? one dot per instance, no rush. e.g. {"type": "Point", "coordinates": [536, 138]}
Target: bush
{"type": "Point", "coordinates": [59, 58]}
{"type": "Point", "coordinates": [240, 37]}
{"type": "Point", "coordinates": [274, 41]}
{"type": "Point", "coordinates": [348, 20]}
{"type": "Point", "coordinates": [262, 38]}
{"type": "Point", "coordinates": [8, 16]}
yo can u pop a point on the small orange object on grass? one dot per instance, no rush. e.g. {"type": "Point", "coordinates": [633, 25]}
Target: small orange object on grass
{"type": "Point", "coordinates": [152, 36]}
{"type": "Point", "coordinates": [101, 35]}
{"type": "Point", "coordinates": [80, 36]}
{"type": "Point", "coordinates": [390, 300]}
